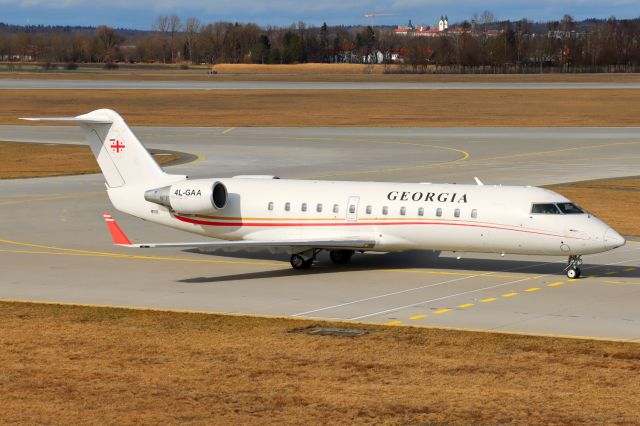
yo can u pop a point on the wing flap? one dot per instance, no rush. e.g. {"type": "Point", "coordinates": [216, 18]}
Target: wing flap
{"type": "Point", "coordinates": [356, 244]}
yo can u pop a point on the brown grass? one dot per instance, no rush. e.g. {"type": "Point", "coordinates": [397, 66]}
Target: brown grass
{"type": "Point", "coordinates": [617, 202]}
{"type": "Point", "coordinates": [75, 365]}
{"type": "Point", "coordinates": [423, 108]}
{"type": "Point", "coordinates": [22, 160]}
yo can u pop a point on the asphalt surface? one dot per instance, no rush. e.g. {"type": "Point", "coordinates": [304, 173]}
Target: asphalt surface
{"type": "Point", "coordinates": [54, 245]}
{"type": "Point", "coordinates": [51, 84]}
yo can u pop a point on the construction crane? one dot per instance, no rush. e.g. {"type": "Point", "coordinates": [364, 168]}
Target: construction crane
{"type": "Point", "coordinates": [373, 16]}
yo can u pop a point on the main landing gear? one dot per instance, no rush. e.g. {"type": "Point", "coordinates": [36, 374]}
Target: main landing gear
{"type": "Point", "coordinates": [573, 266]}
{"type": "Point", "coordinates": [340, 256]}
{"type": "Point", "coordinates": [305, 259]}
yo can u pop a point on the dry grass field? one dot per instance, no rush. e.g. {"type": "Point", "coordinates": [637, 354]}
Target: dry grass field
{"type": "Point", "coordinates": [616, 201]}
{"type": "Point", "coordinates": [21, 160]}
{"type": "Point", "coordinates": [367, 108]}
{"type": "Point", "coordinates": [86, 365]}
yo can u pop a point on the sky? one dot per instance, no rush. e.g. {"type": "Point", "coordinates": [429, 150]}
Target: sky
{"type": "Point", "coordinates": [140, 14]}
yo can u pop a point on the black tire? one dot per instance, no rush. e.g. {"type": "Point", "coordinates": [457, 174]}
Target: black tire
{"type": "Point", "coordinates": [578, 272]}
{"type": "Point", "coordinates": [340, 256]}
{"type": "Point", "coordinates": [573, 273]}
{"type": "Point", "coordinates": [298, 262]}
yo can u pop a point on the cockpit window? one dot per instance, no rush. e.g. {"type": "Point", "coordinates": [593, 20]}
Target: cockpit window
{"type": "Point", "coordinates": [569, 208]}
{"type": "Point", "coordinates": [545, 209]}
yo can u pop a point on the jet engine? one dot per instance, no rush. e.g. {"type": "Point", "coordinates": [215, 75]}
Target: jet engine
{"type": "Point", "coordinates": [191, 196]}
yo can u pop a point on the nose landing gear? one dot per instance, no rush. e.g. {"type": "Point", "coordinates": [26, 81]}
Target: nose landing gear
{"type": "Point", "coordinates": [573, 266]}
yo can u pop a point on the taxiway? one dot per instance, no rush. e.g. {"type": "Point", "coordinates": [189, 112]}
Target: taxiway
{"type": "Point", "coordinates": [54, 246]}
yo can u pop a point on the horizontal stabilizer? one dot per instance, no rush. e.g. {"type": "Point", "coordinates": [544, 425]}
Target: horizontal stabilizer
{"type": "Point", "coordinates": [89, 119]}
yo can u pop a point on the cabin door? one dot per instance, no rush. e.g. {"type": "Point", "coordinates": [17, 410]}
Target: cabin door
{"type": "Point", "coordinates": [352, 209]}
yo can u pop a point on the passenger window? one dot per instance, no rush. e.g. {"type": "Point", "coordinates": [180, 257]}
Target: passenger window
{"type": "Point", "coordinates": [336, 209]}
{"type": "Point", "coordinates": [544, 209]}
{"type": "Point", "coordinates": [456, 212]}
{"type": "Point", "coordinates": [319, 208]}
{"type": "Point", "coordinates": [270, 207]}
{"type": "Point", "coordinates": [403, 211]}
{"type": "Point", "coordinates": [287, 207]}
{"type": "Point", "coordinates": [304, 207]}
{"type": "Point", "coordinates": [368, 210]}
{"type": "Point", "coordinates": [474, 213]}
{"type": "Point", "coordinates": [352, 208]}
{"type": "Point", "coordinates": [385, 210]}
{"type": "Point", "coordinates": [439, 212]}
{"type": "Point", "coordinates": [421, 211]}
{"type": "Point", "coordinates": [569, 208]}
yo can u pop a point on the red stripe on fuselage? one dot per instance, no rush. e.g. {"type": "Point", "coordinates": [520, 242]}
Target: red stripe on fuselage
{"type": "Point", "coordinates": [383, 223]}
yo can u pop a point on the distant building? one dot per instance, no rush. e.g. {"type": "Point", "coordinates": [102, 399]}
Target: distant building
{"type": "Point", "coordinates": [442, 30]}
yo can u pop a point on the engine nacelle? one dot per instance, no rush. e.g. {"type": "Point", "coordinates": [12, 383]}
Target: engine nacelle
{"type": "Point", "coordinates": [191, 196]}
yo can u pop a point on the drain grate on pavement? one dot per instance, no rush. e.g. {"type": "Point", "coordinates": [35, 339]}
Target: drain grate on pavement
{"type": "Point", "coordinates": [329, 331]}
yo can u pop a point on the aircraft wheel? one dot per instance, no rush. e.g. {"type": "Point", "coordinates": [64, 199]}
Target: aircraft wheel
{"type": "Point", "coordinates": [573, 273]}
{"type": "Point", "coordinates": [340, 256]}
{"type": "Point", "coordinates": [299, 262]}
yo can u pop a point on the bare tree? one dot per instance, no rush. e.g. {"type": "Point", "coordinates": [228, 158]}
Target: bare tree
{"type": "Point", "coordinates": [175, 26]}
{"type": "Point", "coordinates": [486, 17]}
{"type": "Point", "coordinates": [192, 27]}
{"type": "Point", "coordinates": [108, 43]}
{"type": "Point", "coordinates": [161, 25]}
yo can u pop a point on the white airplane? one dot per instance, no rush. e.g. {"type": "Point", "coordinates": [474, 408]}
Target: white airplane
{"type": "Point", "coordinates": [303, 217]}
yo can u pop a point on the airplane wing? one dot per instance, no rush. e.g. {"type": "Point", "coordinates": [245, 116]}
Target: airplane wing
{"type": "Point", "coordinates": [355, 243]}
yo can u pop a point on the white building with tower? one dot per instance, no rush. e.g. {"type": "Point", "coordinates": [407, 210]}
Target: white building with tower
{"type": "Point", "coordinates": [443, 24]}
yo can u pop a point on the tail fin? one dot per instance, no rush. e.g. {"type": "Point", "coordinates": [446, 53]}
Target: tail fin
{"type": "Point", "coordinates": [121, 157]}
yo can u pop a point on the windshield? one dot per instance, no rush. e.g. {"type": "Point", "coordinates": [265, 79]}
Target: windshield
{"type": "Point", "coordinates": [545, 209]}
{"type": "Point", "coordinates": [569, 208]}
{"type": "Point", "coordinates": [555, 208]}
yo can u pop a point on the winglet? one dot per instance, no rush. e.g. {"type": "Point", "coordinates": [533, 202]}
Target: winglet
{"type": "Point", "coordinates": [119, 237]}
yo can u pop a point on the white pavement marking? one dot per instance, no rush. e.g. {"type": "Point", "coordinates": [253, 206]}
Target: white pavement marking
{"type": "Point", "coordinates": [487, 274]}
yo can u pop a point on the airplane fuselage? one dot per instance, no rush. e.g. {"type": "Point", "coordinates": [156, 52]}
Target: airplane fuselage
{"type": "Point", "coordinates": [398, 216]}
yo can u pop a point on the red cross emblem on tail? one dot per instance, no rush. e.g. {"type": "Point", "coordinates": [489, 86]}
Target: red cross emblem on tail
{"type": "Point", "coordinates": [116, 145]}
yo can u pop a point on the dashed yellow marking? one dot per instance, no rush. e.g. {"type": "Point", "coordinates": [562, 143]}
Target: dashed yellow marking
{"type": "Point", "coordinates": [557, 283]}
{"type": "Point", "coordinates": [610, 273]}
{"type": "Point", "coordinates": [442, 311]}
{"type": "Point", "coordinates": [509, 294]}
{"type": "Point", "coordinates": [417, 317]}
{"type": "Point", "coordinates": [230, 129]}
{"type": "Point", "coordinates": [488, 299]}
{"type": "Point", "coordinates": [394, 323]}
{"type": "Point", "coordinates": [629, 269]}
{"type": "Point", "coordinates": [466, 305]}
{"type": "Point", "coordinates": [623, 282]}
{"type": "Point", "coordinates": [532, 289]}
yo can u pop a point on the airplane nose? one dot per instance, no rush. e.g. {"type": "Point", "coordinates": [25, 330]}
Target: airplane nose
{"type": "Point", "coordinates": [612, 239]}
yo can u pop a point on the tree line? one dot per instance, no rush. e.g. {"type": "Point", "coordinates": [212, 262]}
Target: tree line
{"type": "Point", "coordinates": [476, 46]}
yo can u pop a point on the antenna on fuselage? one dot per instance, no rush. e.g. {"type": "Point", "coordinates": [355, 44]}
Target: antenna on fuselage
{"type": "Point", "coordinates": [479, 182]}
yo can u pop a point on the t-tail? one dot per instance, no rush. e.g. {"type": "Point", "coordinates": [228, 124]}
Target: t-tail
{"type": "Point", "coordinates": [125, 163]}
{"type": "Point", "coordinates": [120, 155]}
